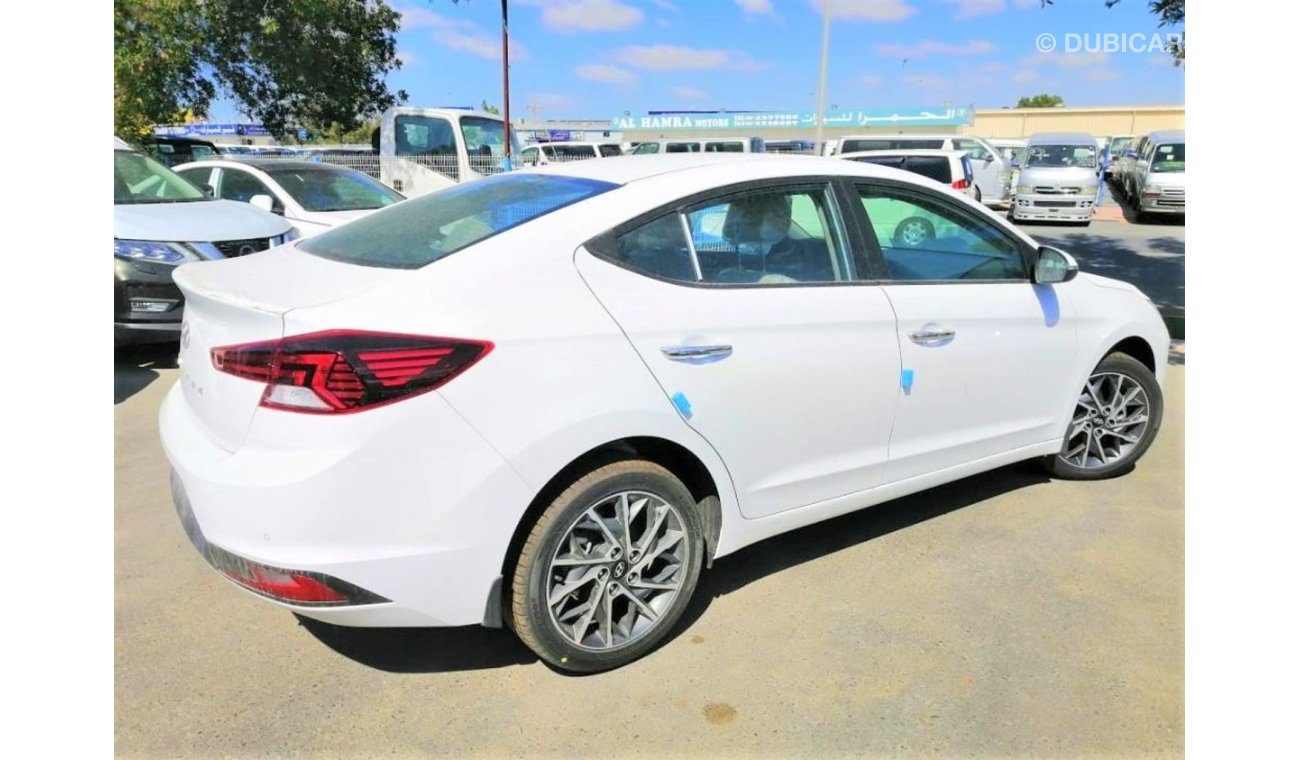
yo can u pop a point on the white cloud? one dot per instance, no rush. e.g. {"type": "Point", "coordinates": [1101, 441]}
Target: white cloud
{"type": "Point", "coordinates": [757, 7]}
{"type": "Point", "coordinates": [586, 15]}
{"type": "Point", "coordinates": [873, 80]}
{"type": "Point", "coordinates": [408, 58]}
{"type": "Point", "coordinates": [477, 43]}
{"type": "Point", "coordinates": [671, 57]}
{"type": "Point", "coordinates": [415, 17]}
{"type": "Point", "coordinates": [1104, 75]}
{"type": "Point", "coordinates": [866, 10]}
{"type": "Point", "coordinates": [1028, 3]}
{"type": "Point", "coordinates": [663, 23]}
{"type": "Point", "coordinates": [1069, 60]}
{"type": "Point", "coordinates": [1025, 75]}
{"type": "Point", "coordinates": [688, 93]}
{"type": "Point", "coordinates": [972, 8]}
{"type": "Point", "coordinates": [930, 47]}
{"type": "Point", "coordinates": [604, 72]}
{"type": "Point", "coordinates": [670, 7]}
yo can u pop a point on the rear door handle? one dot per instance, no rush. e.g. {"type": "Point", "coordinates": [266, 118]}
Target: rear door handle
{"type": "Point", "coordinates": [696, 354]}
{"type": "Point", "coordinates": [932, 336]}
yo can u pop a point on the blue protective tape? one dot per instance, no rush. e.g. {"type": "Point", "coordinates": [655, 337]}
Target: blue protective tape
{"type": "Point", "coordinates": [905, 379]}
{"type": "Point", "coordinates": [683, 406]}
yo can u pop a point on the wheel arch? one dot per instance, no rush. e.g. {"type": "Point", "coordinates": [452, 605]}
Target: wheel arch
{"type": "Point", "coordinates": [672, 456]}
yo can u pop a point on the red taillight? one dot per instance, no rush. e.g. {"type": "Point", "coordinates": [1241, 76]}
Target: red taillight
{"type": "Point", "coordinates": [347, 370]}
{"type": "Point", "coordinates": [289, 587]}
{"type": "Point", "coordinates": [960, 184]}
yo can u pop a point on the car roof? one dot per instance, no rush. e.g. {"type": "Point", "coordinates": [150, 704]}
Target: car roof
{"type": "Point", "coordinates": [1167, 136]}
{"type": "Point", "coordinates": [705, 138]}
{"type": "Point", "coordinates": [266, 164]}
{"type": "Point", "coordinates": [904, 152]}
{"type": "Point", "coordinates": [1062, 138]}
{"type": "Point", "coordinates": [629, 169]}
{"type": "Point", "coordinates": [905, 136]}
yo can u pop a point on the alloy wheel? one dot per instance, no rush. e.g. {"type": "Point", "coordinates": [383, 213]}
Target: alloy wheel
{"type": "Point", "coordinates": [1110, 419]}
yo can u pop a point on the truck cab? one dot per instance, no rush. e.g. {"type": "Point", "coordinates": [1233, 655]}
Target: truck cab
{"type": "Point", "coordinates": [426, 149]}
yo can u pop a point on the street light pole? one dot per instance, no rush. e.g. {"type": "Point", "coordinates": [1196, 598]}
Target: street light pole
{"type": "Point", "coordinates": [505, 82]}
{"type": "Point", "coordinates": [820, 116]}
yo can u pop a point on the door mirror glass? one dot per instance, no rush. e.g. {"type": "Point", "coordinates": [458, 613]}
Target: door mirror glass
{"type": "Point", "coordinates": [1054, 265]}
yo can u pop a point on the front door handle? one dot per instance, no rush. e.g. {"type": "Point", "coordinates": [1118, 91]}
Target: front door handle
{"type": "Point", "coordinates": [928, 336]}
{"type": "Point", "coordinates": [696, 354]}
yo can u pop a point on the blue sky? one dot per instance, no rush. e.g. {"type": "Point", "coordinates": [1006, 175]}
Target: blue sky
{"type": "Point", "coordinates": [596, 59]}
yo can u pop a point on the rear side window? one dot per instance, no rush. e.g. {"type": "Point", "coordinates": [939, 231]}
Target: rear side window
{"type": "Point", "coordinates": [611, 150]}
{"type": "Point", "coordinates": [884, 143]}
{"type": "Point", "coordinates": [422, 230]}
{"type": "Point", "coordinates": [690, 147]}
{"type": "Point", "coordinates": [936, 168]}
{"type": "Point", "coordinates": [724, 147]}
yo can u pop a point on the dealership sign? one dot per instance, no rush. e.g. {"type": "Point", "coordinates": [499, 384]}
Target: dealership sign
{"type": "Point", "coordinates": [879, 117]}
{"type": "Point", "coordinates": [211, 130]}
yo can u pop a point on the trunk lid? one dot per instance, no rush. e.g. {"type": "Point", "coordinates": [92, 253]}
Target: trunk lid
{"type": "Point", "coordinates": [244, 300]}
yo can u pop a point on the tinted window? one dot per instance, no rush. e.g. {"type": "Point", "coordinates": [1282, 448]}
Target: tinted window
{"type": "Point", "coordinates": [683, 147]}
{"type": "Point", "coordinates": [892, 161]}
{"type": "Point", "coordinates": [333, 190]}
{"type": "Point", "coordinates": [763, 237]}
{"type": "Point", "coordinates": [240, 186]}
{"type": "Point", "coordinates": [139, 179]}
{"type": "Point", "coordinates": [611, 150]}
{"type": "Point", "coordinates": [1170, 157]}
{"type": "Point", "coordinates": [724, 147]}
{"type": "Point", "coordinates": [412, 234]}
{"type": "Point", "coordinates": [196, 177]}
{"type": "Point", "coordinates": [923, 238]}
{"type": "Point", "coordinates": [885, 143]}
{"type": "Point", "coordinates": [572, 151]}
{"type": "Point", "coordinates": [423, 135]}
{"type": "Point", "coordinates": [937, 168]}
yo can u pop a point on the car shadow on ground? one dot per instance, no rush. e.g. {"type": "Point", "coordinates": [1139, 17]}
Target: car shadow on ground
{"type": "Point", "coordinates": [438, 650]}
{"type": "Point", "coordinates": [134, 367]}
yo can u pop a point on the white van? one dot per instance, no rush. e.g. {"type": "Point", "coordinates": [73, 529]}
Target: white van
{"type": "Point", "coordinates": [561, 152]}
{"type": "Point", "coordinates": [992, 168]}
{"type": "Point", "coordinates": [701, 145]}
{"type": "Point", "coordinates": [161, 221]}
{"type": "Point", "coordinates": [426, 149]}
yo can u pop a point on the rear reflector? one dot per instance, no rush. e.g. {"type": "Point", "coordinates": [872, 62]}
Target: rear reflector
{"type": "Point", "coordinates": [348, 370]}
{"type": "Point", "coordinates": [288, 587]}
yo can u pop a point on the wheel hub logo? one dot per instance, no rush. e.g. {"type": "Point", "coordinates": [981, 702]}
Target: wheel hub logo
{"type": "Point", "coordinates": [620, 568]}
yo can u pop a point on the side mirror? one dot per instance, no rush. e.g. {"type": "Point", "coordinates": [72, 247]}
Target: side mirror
{"type": "Point", "coordinates": [266, 203]}
{"type": "Point", "coordinates": [1054, 265]}
{"type": "Point", "coordinates": [207, 190]}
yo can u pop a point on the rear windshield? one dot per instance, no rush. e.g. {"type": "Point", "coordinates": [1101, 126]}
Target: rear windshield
{"type": "Point", "coordinates": [420, 231]}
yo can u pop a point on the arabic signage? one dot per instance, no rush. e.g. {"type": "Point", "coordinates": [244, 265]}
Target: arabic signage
{"type": "Point", "coordinates": [867, 117]}
{"type": "Point", "coordinates": [211, 130]}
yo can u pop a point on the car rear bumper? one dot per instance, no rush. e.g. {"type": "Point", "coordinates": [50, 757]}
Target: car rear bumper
{"type": "Point", "coordinates": [405, 503]}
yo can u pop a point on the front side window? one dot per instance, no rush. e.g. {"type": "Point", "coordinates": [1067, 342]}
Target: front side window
{"type": "Point", "coordinates": [763, 237]}
{"type": "Point", "coordinates": [924, 238]}
{"type": "Point", "coordinates": [240, 186]}
{"type": "Point", "coordinates": [486, 138]}
{"type": "Point", "coordinates": [645, 148]}
{"type": "Point", "coordinates": [333, 190]}
{"type": "Point", "coordinates": [973, 149]}
{"type": "Point", "coordinates": [140, 179]}
{"type": "Point", "coordinates": [422, 230]}
{"type": "Point", "coordinates": [529, 156]}
{"type": "Point", "coordinates": [610, 150]}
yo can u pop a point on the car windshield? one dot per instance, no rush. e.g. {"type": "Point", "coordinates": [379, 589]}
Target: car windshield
{"type": "Point", "coordinates": [332, 189]}
{"type": "Point", "coordinates": [139, 179]}
{"type": "Point", "coordinates": [486, 137]}
{"type": "Point", "coordinates": [1118, 144]}
{"type": "Point", "coordinates": [1169, 158]}
{"type": "Point", "coordinates": [425, 229]}
{"type": "Point", "coordinates": [1056, 156]}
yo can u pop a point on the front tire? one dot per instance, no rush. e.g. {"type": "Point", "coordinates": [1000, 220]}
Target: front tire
{"type": "Point", "coordinates": [609, 568]}
{"type": "Point", "coordinates": [1116, 417]}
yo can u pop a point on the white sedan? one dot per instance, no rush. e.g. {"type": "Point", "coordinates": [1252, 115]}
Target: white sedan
{"type": "Point", "coordinates": [551, 397]}
{"type": "Point", "coordinates": [313, 197]}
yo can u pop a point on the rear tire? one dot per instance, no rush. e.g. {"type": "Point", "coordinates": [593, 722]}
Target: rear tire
{"type": "Point", "coordinates": [1115, 419]}
{"type": "Point", "coordinates": [608, 569]}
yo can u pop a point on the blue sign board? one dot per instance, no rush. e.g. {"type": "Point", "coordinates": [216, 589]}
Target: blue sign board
{"type": "Point", "coordinates": [946, 116]}
{"type": "Point", "coordinates": [560, 135]}
{"type": "Point", "coordinates": [211, 130]}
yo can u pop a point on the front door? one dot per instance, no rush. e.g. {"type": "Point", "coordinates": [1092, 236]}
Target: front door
{"type": "Point", "coordinates": [987, 356]}
{"type": "Point", "coordinates": [746, 308]}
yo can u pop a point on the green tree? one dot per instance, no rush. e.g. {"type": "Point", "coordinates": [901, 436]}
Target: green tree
{"type": "Point", "coordinates": [1044, 100]}
{"type": "Point", "coordinates": [319, 62]}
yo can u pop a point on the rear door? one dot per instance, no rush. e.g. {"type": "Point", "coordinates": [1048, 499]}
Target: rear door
{"type": "Point", "coordinates": [773, 349]}
{"type": "Point", "coordinates": [991, 171]}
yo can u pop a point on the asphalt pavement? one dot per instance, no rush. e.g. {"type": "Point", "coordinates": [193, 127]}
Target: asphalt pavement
{"type": "Point", "coordinates": [1002, 615]}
